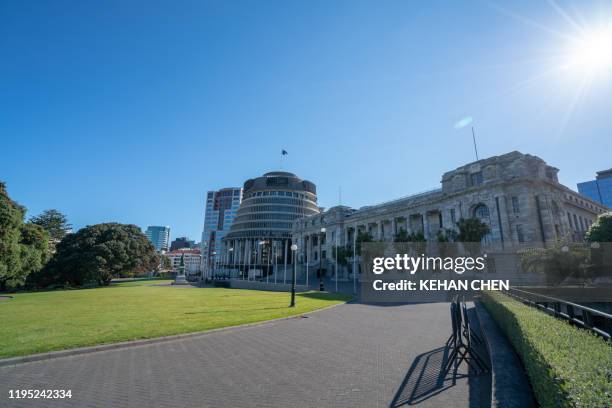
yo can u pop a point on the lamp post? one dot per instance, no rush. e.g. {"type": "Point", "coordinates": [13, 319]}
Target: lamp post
{"type": "Point", "coordinates": [294, 248]}
{"type": "Point", "coordinates": [321, 286]}
{"type": "Point", "coordinates": [204, 261]}
{"type": "Point", "coordinates": [260, 249]}
{"type": "Point", "coordinates": [230, 257]}
{"type": "Point", "coordinates": [214, 260]}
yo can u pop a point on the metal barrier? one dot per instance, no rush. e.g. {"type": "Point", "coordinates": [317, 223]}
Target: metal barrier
{"type": "Point", "coordinates": [461, 340]}
{"type": "Point", "coordinates": [582, 316]}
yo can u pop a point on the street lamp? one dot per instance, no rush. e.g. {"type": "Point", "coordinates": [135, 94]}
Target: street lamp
{"type": "Point", "coordinates": [214, 260]}
{"type": "Point", "coordinates": [260, 250]}
{"type": "Point", "coordinates": [203, 261]}
{"type": "Point", "coordinates": [230, 256]}
{"type": "Point", "coordinates": [294, 248]}
{"type": "Point", "coordinates": [321, 286]}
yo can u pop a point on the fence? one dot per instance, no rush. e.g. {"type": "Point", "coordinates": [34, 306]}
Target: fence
{"type": "Point", "coordinates": [582, 316]}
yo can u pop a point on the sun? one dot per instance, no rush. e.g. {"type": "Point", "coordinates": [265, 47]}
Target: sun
{"type": "Point", "coordinates": [591, 52]}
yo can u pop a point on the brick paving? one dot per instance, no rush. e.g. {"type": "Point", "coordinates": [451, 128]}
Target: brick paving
{"type": "Point", "coordinates": [353, 355]}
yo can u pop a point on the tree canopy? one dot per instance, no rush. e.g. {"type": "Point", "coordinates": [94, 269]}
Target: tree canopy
{"type": "Point", "coordinates": [54, 222]}
{"type": "Point", "coordinates": [97, 253]}
{"type": "Point", "coordinates": [601, 230]}
{"type": "Point", "coordinates": [471, 230]}
{"type": "Point", "coordinates": [23, 246]}
{"type": "Point", "coordinates": [558, 262]}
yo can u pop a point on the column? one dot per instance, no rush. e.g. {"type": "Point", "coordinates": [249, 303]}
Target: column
{"type": "Point", "coordinates": [425, 222]}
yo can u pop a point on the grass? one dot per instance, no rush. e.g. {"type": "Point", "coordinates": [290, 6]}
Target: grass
{"type": "Point", "coordinates": [567, 366]}
{"type": "Point", "coordinates": [39, 322]}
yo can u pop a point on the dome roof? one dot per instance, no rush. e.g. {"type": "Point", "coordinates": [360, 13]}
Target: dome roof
{"type": "Point", "coordinates": [279, 173]}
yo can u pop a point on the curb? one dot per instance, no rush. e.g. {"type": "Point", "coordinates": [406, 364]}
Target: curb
{"type": "Point", "coordinates": [13, 361]}
{"type": "Point", "coordinates": [509, 384]}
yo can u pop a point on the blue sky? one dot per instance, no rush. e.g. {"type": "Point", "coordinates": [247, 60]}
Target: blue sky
{"type": "Point", "coordinates": [131, 111]}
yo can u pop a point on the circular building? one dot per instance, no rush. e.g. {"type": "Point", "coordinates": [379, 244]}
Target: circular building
{"type": "Point", "coordinates": [260, 236]}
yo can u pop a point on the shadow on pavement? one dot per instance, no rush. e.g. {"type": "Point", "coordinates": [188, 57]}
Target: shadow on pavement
{"type": "Point", "coordinates": [427, 377]}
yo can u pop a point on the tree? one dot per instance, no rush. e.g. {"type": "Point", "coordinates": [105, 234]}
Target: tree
{"type": "Point", "coordinates": [363, 236]}
{"type": "Point", "coordinates": [446, 235]}
{"type": "Point", "coordinates": [601, 230]}
{"type": "Point", "coordinates": [558, 262]}
{"type": "Point", "coordinates": [165, 263]}
{"type": "Point", "coordinates": [54, 222]}
{"type": "Point", "coordinates": [403, 236]}
{"type": "Point", "coordinates": [471, 230]}
{"type": "Point", "coordinates": [342, 254]}
{"type": "Point", "coordinates": [97, 253]}
{"type": "Point", "coordinates": [23, 247]}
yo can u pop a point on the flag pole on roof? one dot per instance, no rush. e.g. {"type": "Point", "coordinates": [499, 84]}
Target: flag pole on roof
{"type": "Point", "coordinates": [465, 122]}
{"type": "Point", "coordinates": [283, 154]}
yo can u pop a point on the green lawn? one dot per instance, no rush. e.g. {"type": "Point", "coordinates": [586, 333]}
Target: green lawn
{"type": "Point", "coordinates": [44, 321]}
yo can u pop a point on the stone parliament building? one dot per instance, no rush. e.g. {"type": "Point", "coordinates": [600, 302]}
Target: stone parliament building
{"type": "Point", "coordinates": [518, 195]}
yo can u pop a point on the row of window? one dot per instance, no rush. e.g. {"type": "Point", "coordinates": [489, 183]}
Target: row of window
{"type": "Point", "coordinates": [278, 193]}
{"type": "Point", "coordinates": [288, 201]}
{"type": "Point", "coordinates": [584, 203]}
{"type": "Point", "coordinates": [262, 224]}
{"type": "Point", "coordinates": [266, 216]}
{"type": "Point", "coordinates": [278, 208]}
{"type": "Point", "coordinates": [579, 223]}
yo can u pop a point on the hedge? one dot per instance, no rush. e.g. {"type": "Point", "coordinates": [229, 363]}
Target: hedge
{"type": "Point", "coordinates": [567, 366]}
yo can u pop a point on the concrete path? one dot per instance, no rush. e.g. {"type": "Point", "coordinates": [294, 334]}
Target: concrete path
{"type": "Point", "coordinates": [353, 355]}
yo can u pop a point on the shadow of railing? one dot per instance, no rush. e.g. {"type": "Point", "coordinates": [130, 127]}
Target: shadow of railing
{"type": "Point", "coordinates": [432, 373]}
{"type": "Point", "coordinates": [425, 378]}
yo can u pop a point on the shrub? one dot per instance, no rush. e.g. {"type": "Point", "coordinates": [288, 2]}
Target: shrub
{"type": "Point", "coordinates": [567, 366]}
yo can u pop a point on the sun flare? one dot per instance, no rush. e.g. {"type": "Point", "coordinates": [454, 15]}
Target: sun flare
{"type": "Point", "coordinates": [592, 52]}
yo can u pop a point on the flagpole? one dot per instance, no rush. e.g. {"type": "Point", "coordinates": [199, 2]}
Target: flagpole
{"type": "Point", "coordinates": [474, 139]}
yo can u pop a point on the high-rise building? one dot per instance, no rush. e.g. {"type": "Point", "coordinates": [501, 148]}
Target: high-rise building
{"type": "Point", "coordinates": [180, 243]}
{"type": "Point", "coordinates": [220, 210]}
{"type": "Point", "coordinates": [599, 189]}
{"type": "Point", "coordinates": [159, 237]}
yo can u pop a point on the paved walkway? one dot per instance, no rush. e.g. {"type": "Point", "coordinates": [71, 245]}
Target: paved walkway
{"type": "Point", "coordinates": [352, 355]}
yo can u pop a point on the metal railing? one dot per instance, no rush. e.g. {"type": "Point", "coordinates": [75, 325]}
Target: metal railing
{"type": "Point", "coordinates": [597, 321]}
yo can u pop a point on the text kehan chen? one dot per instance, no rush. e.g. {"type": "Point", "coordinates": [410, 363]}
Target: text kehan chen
{"type": "Point", "coordinates": [436, 285]}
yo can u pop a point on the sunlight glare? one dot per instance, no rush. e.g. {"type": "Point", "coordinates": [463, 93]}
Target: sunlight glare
{"type": "Point", "coordinates": [592, 52]}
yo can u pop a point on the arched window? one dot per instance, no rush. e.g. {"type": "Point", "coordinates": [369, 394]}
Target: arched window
{"type": "Point", "coordinates": [481, 211]}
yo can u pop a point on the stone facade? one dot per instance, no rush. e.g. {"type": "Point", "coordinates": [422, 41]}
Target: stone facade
{"type": "Point", "coordinates": [518, 195]}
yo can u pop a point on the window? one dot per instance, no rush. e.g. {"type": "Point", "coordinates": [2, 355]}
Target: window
{"type": "Point", "coordinates": [516, 209]}
{"type": "Point", "coordinates": [453, 216]}
{"type": "Point", "coordinates": [519, 233]}
{"type": "Point", "coordinates": [481, 211]}
{"type": "Point", "coordinates": [569, 220]}
{"type": "Point", "coordinates": [476, 178]}
{"type": "Point", "coordinates": [575, 223]}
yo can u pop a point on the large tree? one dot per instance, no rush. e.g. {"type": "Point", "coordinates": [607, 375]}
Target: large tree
{"type": "Point", "coordinates": [601, 230]}
{"type": "Point", "coordinates": [471, 230]}
{"type": "Point", "coordinates": [557, 262]}
{"type": "Point", "coordinates": [23, 247]}
{"type": "Point", "coordinates": [97, 253]}
{"type": "Point", "coordinates": [54, 222]}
